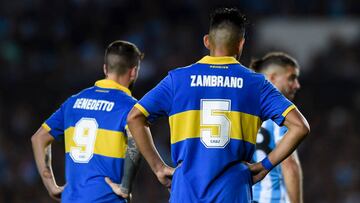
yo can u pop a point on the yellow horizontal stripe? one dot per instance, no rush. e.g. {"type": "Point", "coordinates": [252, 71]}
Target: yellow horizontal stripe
{"type": "Point", "coordinates": [108, 143]}
{"type": "Point", "coordinates": [142, 109]}
{"type": "Point", "coordinates": [46, 127]}
{"type": "Point", "coordinates": [218, 60]}
{"type": "Point", "coordinates": [288, 110]}
{"type": "Point", "coordinates": [186, 125]}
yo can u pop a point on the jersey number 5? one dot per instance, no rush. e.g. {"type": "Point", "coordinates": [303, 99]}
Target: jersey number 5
{"type": "Point", "coordinates": [84, 138]}
{"type": "Point", "coordinates": [214, 124]}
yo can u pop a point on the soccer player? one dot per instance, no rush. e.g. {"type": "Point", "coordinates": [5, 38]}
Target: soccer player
{"type": "Point", "coordinates": [93, 125]}
{"type": "Point", "coordinates": [284, 183]}
{"type": "Point", "coordinates": [215, 108]}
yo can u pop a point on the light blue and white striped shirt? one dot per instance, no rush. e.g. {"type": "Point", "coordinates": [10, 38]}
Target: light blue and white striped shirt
{"type": "Point", "coordinates": [272, 188]}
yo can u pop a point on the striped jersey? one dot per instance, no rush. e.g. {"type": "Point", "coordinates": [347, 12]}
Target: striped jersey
{"type": "Point", "coordinates": [215, 108]}
{"type": "Point", "coordinates": [272, 188]}
{"type": "Point", "coordinates": [92, 123]}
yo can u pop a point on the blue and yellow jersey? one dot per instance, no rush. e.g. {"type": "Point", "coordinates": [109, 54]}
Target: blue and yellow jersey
{"type": "Point", "coordinates": [92, 123]}
{"type": "Point", "coordinates": [272, 188]}
{"type": "Point", "coordinates": [215, 108]}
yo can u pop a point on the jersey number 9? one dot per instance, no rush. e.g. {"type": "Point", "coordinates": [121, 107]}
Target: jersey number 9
{"type": "Point", "coordinates": [84, 138]}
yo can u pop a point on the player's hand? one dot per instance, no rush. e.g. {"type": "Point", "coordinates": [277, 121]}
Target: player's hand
{"type": "Point", "coordinates": [258, 172]}
{"type": "Point", "coordinates": [55, 192]}
{"type": "Point", "coordinates": [117, 189]}
{"type": "Point", "coordinates": [164, 175]}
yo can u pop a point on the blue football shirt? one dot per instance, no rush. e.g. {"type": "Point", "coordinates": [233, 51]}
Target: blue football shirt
{"type": "Point", "coordinates": [92, 123]}
{"type": "Point", "coordinates": [215, 108]}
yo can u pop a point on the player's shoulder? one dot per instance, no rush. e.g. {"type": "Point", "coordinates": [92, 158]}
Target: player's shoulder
{"type": "Point", "coordinates": [179, 70]}
{"type": "Point", "coordinates": [130, 99]}
{"type": "Point", "coordinates": [249, 72]}
{"type": "Point", "coordinates": [71, 99]}
{"type": "Point", "coordinates": [81, 93]}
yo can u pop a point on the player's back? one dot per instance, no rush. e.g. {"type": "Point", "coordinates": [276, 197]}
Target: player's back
{"type": "Point", "coordinates": [215, 108]}
{"type": "Point", "coordinates": [272, 187]}
{"type": "Point", "coordinates": [93, 123]}
{"type": "Point", "coordinates": [214, 120]}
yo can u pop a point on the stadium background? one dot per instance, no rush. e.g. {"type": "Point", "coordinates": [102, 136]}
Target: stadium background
{"type": "Point", "coordinates": [50, 50]}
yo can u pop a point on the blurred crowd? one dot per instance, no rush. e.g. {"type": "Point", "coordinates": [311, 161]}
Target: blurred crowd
{"type": "Point", "coordinates": [51, 50]}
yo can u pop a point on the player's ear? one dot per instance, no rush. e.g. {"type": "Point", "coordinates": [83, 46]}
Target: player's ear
{"type": "Point", "coordinates": [133, 73]}
{"type": "Point", "coordinates": [105, 69]}
{"type": "Point", "coordinates": [241, 44]}
{"type": "Point", "coordinates": [272, 77]}
{"type": "Point", "coordinates": [206, 41]}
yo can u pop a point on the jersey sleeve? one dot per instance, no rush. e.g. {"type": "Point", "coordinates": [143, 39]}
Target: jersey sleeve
{"type": "Point", "coordinates": [273, 104]}
{"type": "Point", "coordinates": [158, 101]}
{"type": "Point", "coordinates": [55, 123]}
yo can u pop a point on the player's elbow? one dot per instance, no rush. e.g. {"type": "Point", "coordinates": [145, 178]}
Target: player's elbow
{"type": "Point", "coordinates": [35, 138]}
{"type": "Point", "coordinates": [297, 123]}
{"type": "Point", "coordinates": [41, 137]}
{"type": "Point", "coordinates": [303, 129]}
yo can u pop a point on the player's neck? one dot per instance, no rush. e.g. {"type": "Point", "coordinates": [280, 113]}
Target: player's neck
{"type": "Point", "coordinates": [221, 53]}
{"type": "Point", "coordinates": [122, 80]}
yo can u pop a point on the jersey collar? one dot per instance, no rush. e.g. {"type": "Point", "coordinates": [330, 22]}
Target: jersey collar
{"type": "Point", "coordinates": [110, 84]}
{"type": "Point", "coordinates": [218, 60]}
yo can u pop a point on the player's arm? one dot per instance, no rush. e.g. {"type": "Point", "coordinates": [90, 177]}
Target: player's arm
{"type": "Point", "coordinates": [292, 173]}
{"type": "Point", "coordinates": [298, 129]}
{"type": "Point", "coordinates": [41, 144]}
{"type": "Point", "coordinates": [139, 129]}
{"type": "Point", "coordinates": [132, 162]}
{"type": "Point", "coordinates": [157, 102]}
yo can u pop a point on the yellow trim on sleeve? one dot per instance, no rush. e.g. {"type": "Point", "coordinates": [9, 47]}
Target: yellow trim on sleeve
{"type": "Point", "coordinates": [142, 109]}
{"type": "Point", "coordinates": [288, 110]}
{"type": "Point", "coordinates": [46, 127]}
{"type": "Point", "coordinates": [108, 142]}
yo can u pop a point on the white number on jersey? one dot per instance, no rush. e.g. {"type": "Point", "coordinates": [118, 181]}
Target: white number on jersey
{"type": "Point", "coordinates": [213, 114]}
{"type": "Point", "coordinates": [84, 138]}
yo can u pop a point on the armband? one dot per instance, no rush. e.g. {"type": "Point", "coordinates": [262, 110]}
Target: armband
{"type": "Point", "coordinates": [267, 164]}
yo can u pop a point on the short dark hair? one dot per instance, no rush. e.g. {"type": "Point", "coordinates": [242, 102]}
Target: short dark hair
{"type": "Point", "coordinates": [273, 58]}
{"type": "Point", "coordinates": [228, 16]}
{"type": "Point", "coordinates": [121, 56]}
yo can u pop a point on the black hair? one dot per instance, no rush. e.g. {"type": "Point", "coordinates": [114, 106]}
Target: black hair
{"type": "Point", "coordinates": [121, 56]}
{"type": "Point", "coordinates": [274, 58]}
{"type": "Point", "coordinates": [228, 16]}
